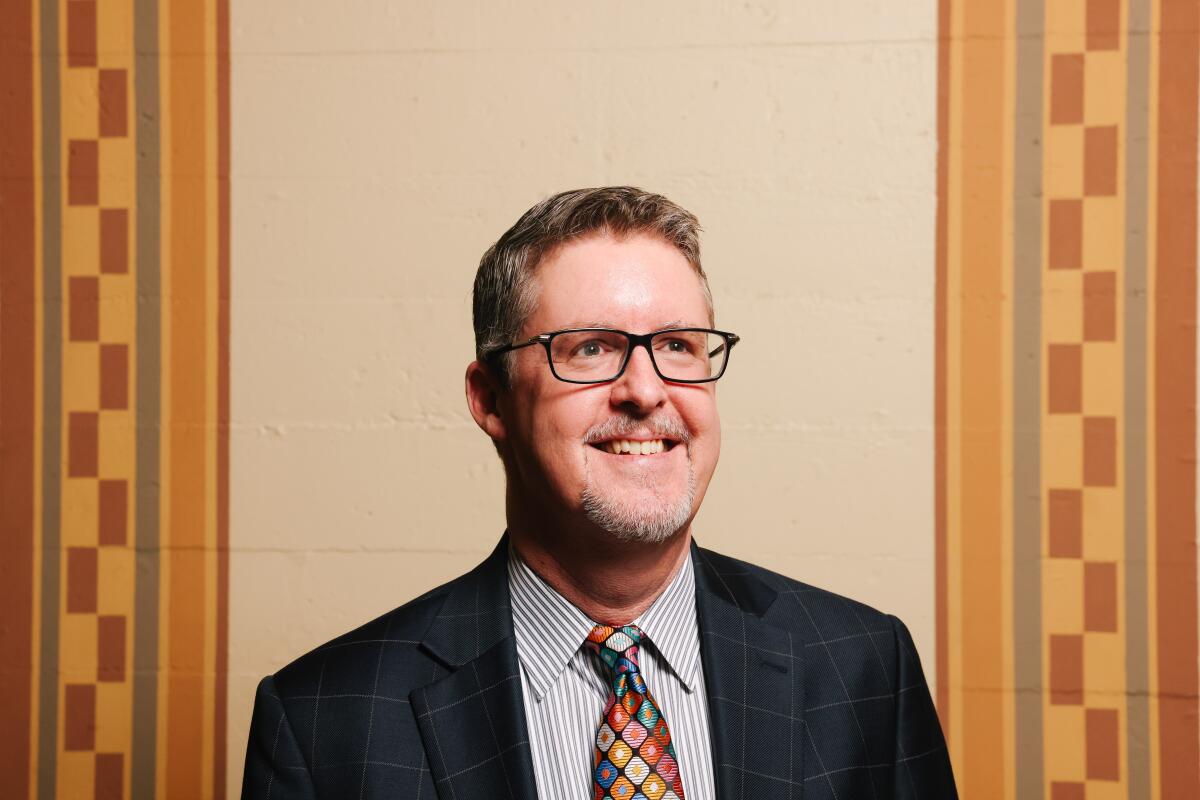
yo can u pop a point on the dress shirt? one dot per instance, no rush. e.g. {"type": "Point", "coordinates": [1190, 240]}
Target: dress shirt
{"type": "Point", "coordinates": [565, 686]}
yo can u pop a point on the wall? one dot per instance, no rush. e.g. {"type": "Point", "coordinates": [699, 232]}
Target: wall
{"type": "Point", "coordinates": [379, 150]}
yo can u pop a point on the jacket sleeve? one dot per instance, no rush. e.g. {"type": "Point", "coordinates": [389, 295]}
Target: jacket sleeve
{"type": "Point", "coordinates": [275, 766]}
{"type": "Point", "coordinates": [921, 765]}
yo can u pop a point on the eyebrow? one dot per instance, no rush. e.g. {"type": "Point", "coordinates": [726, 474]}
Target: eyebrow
{"type": "Point", "coordinates": [605, 324]}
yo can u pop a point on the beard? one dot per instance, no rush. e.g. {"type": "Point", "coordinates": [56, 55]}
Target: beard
{"type": "Point", "coordinates": [646, 521]}
{"type": "Point", "coordinates": [639, 522]}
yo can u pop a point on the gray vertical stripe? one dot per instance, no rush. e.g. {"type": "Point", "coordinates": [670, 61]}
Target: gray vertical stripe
{"type": "Point", "coordinates": [149, 323]}
{"type": "Point", "coordinates": [565, 686]}
{"type": "Point", "coordinates": [1027, 403]}
{"type": "Point", "coordinates": [52, 344]}
{"type": "Point", "coordinates": [1137, 171]}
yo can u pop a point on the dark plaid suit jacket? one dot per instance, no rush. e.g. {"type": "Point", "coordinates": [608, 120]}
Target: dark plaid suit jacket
{"type": "Point", "coordinates": [810, 695]}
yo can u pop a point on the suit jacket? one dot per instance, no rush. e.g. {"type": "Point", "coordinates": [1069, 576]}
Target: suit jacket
{"type": "Point", "coordinates": [810, 695]}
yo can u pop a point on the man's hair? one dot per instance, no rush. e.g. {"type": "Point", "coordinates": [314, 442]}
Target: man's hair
{"type": "Point", "coordinates": [505, 285]}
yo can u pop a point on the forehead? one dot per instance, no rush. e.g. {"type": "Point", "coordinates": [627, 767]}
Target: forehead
{"type": "Point", "coordinates": [637, 282]}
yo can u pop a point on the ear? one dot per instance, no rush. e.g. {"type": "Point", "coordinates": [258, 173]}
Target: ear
{"type": "Point", "coordinates": [483, 394]}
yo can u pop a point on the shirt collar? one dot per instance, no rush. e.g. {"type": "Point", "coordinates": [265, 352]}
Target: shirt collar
{"type": "Point", "coordinates": [670, 625]}
{"type": "Point", "coordinates": [549, 629]}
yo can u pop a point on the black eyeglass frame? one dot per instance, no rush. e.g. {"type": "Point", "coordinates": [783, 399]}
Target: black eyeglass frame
{"type": "Point", "coordinates": [635, 340]}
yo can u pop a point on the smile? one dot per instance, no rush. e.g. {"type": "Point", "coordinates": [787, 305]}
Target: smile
{"type": "Point", "coordinates": [634, 447]}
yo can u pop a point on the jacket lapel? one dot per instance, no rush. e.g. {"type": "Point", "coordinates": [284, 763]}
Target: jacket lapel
{"type": "Point", "coordinates": [754, 676]}
{"type": "Point", "coordinates": [472, 722]}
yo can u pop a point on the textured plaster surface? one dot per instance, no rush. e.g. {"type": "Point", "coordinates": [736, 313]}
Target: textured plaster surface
{"type": "Point", "coordinates": [379, 148]}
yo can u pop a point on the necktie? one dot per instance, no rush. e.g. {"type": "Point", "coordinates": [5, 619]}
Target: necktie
{"type": "Point", "coordinates": [634, 755]}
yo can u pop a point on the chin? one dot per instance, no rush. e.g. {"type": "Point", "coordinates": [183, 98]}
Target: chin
{"type": "Point", "coordinates": [655, 520]}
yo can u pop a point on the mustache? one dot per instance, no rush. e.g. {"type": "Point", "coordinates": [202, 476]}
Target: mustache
{"type": "Point", "coordinates": [661, 427]}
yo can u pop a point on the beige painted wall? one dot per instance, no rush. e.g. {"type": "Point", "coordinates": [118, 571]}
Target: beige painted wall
{"type": "Point", "coordinates": [380, 147]}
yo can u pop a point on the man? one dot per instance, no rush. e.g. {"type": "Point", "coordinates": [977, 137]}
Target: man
{"type": "Point", "coordinates": [598, 651]}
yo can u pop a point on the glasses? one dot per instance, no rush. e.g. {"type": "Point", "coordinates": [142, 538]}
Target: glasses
{"type": "Point", "coordinates": [599, 355]}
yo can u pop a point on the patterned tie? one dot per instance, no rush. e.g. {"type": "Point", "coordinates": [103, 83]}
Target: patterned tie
{"type": "Point", "coordinates": [634, 759]}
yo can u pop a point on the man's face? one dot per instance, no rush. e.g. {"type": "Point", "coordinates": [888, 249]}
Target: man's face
{"type": "Point", "coordinates": [562, 435]}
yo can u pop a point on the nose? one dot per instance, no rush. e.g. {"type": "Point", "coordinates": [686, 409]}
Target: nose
{"type": "Point", "coordinates": [639, 390]}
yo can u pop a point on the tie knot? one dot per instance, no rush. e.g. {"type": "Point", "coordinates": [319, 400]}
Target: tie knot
{"type": "Point", "coordinates": [617, 647]}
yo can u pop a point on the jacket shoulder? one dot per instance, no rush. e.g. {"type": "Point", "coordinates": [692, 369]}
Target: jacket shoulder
{"type": "Point", "coordinates": [813, 613]}
{"type": "Point", "coordinates": [387, 645]}
{"type": "Point", "coordinates": [316, 717]}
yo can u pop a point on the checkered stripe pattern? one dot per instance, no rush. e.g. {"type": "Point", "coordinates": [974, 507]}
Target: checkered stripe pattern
{"type": "Point", "coordinates": [635, 758]}
{"type": "Point", "coordinates": [100, 433]}
{"type": "Point", "coordinates": [1082, 418]}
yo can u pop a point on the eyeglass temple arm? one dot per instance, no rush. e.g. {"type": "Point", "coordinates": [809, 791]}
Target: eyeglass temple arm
{"type": "Point", "coordinates": [508, 348]}
{"type": "Point", "coordinates": [733, 339]}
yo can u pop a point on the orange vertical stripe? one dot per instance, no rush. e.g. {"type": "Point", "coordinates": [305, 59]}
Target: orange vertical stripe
{"type": "Point", "coordinates": [18, 397]}
{"type": "Point", "coordinates": [222, 605]}
{"type": "Point", "coordinates": [189, 258]}
{"type": "Point", "coordinates": [1175, 399]}
{"type": "Point", "coordinates": [982, 388]}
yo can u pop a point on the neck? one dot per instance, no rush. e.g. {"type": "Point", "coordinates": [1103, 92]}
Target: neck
{"type": "Point", "coordinates": [611, 581]}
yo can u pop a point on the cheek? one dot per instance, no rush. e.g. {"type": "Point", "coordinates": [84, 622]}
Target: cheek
{"type": "Point", "coordinates": [558, 433]}
{"type": "Point", "coordinates": [705, 425]}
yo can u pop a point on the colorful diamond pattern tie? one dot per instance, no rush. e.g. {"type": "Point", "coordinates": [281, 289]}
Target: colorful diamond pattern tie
{"type": "Point", "coordinates": [634, 758]}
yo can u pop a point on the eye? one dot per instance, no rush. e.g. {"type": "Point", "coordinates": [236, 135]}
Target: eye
{"type": "Point", "coordinates": [589, 349]}
{"type": "Point", "coordinates": [675, 346]}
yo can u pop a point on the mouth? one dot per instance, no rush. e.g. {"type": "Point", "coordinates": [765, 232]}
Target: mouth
{"type": "Point", "coordinates": [635, 447]}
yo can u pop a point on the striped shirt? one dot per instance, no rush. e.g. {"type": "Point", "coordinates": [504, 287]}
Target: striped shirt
{"type": "Point", "coordinates": [565, 685]}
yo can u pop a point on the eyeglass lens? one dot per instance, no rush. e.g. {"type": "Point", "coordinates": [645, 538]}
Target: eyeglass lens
{"type": "Point", "coordinates": [598, 355]}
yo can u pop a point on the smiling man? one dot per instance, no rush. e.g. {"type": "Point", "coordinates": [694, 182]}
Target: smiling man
{"type": "Point", "coordinates": [599, 652]}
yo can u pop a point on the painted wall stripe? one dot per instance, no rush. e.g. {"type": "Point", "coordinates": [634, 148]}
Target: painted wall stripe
{"type": "Point", "coordinates": [981, 388]}
{"type": "Point", "coordinates": [941, 355]}
{"type": "Point", "coordinates": [1101, 113]}
{"type": "Point", "coordinates": [143, 781]}
{"type": "Point", "coordinates": [1175, 397]}
{"type": "Point", "coordinates": [188, 253]}
{"type": "Point", "coordinates": [18, 347]}
{"type": "Point", "coordinates": [1027, 399]}
{"type": "Point", "coordinates": [1137, 589]}
{"type": "Point", "coordinates": [52, 359]}
{"type": "Point", "coordinates": [223, 332]}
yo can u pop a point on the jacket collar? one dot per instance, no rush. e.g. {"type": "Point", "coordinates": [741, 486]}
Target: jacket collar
{"type": "Point", "coordinates": [744, 659]}
{"type": "Point", "coordinates": [477, 614]}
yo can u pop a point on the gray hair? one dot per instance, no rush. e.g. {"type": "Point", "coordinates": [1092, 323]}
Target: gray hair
{"type": "Point", "coordinates": [505, 285]}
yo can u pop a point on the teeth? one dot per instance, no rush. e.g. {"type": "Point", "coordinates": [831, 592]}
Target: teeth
{"type": "Point", "coordinates": [618, 446]}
